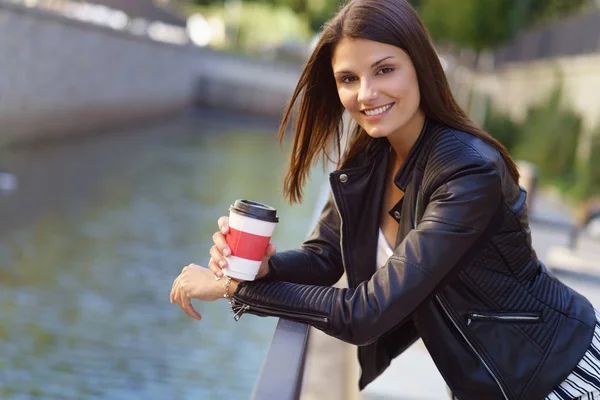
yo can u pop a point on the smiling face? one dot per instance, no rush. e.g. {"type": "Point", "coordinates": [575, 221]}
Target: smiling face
{"type": "Point", "coordinates": [377, 84]}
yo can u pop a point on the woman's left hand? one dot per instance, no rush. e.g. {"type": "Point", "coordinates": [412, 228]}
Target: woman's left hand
{"type": "Point", "coordinates": [195, 282]}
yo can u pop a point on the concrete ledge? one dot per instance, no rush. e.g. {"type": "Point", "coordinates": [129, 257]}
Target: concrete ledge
{"type": "Point", "coordinates": [327, 372]}
{"type": "Point", "coordinates": [581, 263]}
{"type": "Point", "coordinates": [246, 85]}
{"type": "Point", "coordinates": [331, 368]}
{"type": "Point", "coordinates": [41, 14]}
{"type": "Point", "coordinates": [67, 77]}
{"type": "Point", "coordinates": [43, 126]}
{"type": "Point", "coordinates": [246, 97]}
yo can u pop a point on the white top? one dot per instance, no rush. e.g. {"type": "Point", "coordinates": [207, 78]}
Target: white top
{"type": "Point", "coordinates": [384, 250]}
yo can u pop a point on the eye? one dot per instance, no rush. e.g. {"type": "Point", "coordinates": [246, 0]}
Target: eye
{"type": "Point", "coordinates": [348, 79]}
{"type": "Point", "coordinates": [385, 70]}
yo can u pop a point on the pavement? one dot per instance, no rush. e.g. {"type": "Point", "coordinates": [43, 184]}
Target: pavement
{"type": "Point", "coordinates": [414, 376]}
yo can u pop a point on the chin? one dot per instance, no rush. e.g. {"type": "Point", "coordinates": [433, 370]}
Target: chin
{"type": "Point", "coordinates": [378, 132]}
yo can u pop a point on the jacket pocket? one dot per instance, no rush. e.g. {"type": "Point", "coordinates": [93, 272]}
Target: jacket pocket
{"type": "Point", "coordinates": [504, 316]}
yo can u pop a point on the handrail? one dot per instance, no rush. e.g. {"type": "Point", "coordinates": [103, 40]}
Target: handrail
{"type": "Point", "coordinates": [282, 372]}
{"type": "Point", "coordinates": [283, 369]}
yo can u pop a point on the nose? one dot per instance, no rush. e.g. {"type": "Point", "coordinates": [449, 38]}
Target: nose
{"type": "Point", "coordinates": [366, 93]}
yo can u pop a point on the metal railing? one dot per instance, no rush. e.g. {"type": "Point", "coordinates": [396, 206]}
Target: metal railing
{"type": "Point", "coordinates": [283, 369]}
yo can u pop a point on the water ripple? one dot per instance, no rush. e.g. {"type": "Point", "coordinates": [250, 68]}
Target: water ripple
{"type": "Point", "coordinates": [85, 279]}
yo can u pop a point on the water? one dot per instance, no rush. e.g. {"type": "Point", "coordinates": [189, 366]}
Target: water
{"type": "Point", "coordinates": [91, 241]}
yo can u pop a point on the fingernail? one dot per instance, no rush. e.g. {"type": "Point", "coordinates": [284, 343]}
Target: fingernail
{"type": "Point", "coordinates": [220, 274]}
{"type": "Point", "coordinates": [222, 263]}
{"type": "Point", "coordinates": [224, 230]}
{"type": "Point", "coordinates": [226, 251]}
{"type": "Point", "coordinates": [217, 277]}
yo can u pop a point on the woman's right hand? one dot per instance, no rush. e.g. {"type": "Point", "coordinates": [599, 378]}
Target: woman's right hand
{"type": "Point", "coordinates": [220, 250]}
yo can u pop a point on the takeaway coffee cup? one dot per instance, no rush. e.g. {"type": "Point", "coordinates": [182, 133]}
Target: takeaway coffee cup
{"type": "Point", "coordinates": [251, 225]}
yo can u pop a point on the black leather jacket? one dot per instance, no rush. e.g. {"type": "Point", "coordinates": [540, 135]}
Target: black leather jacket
{"type": "Point", "coordinates": [463, 275]}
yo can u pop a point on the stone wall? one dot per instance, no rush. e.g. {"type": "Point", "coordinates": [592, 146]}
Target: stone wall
{"type": "Point", "coordinates": [515, 87]}
{"type": "Point", "coordinates": [61, 76]}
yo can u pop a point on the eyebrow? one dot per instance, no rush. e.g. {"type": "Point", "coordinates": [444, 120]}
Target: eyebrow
{"type": "Point", "coordinates": [376, 63]}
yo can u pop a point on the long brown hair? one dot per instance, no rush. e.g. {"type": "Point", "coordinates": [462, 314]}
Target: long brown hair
{"type": "Point", "coordinates": [319, 110]}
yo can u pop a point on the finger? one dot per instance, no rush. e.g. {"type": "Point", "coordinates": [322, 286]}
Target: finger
{"type": "Point", "coordinates": [221, 243]}
{"type": "Point", "coordinates": [214, 268]}
{"type": "Point", "coordinates": [186, 306]}
{"type": "Point", "coordinates": [223, 223]}
{"type": "Point", "coordinates": [271, 250]}
{"type": "Point", "coordinates": [174, 289]}
{"type": "Point", "coordinates": [218, 258]}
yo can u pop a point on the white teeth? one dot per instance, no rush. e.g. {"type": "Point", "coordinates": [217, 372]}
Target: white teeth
{"type": "Point", "coordinates": [379, 110]}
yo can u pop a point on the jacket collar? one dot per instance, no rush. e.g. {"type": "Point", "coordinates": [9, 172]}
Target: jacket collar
{"type": "Point", "coordinates": [358, 190]}
{"type": "Point", "coordinates": [378, 149]}
{"type": "Point", "coordinates": [405, 173]}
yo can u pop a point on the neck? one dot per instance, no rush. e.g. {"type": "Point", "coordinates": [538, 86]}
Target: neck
{"type": "Point", "coordinates": [404, 139]}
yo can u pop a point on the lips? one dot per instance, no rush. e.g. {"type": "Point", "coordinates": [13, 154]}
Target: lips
{"type": "Point", "coordinates": [373, 112]}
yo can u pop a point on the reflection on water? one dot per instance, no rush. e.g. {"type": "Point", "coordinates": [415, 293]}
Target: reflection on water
{"type": "Point", "coordinates": [89, 247]}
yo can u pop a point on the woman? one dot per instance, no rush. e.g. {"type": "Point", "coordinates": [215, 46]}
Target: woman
{"type": "Point", "coordinates": [427, 220]}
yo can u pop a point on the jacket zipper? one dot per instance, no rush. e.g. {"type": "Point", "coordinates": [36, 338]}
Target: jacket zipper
{"type": "Point", "coordinates": [240, 309]}
{"type": "Point", "coordinates": [341, 226]}
{"type": "Point", "coordinates": [485, 364]}
{"type": "Point", "coordinates": [523, 317]}
{"type": "Point", "coordinates": [447, 312]}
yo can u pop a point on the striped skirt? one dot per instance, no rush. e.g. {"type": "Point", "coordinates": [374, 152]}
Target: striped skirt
{"type": "Point", "coordinates": [584, 382]}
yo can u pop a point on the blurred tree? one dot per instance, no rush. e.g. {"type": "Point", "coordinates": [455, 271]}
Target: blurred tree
{"type": "Point", "coordinates": [316, 11]}
{"type": "Point", "coordinates": [207, 2]}
{"type": "Point", "coordinates": [503, 128]}
{"type": "Point", "coordinates": [548, 10]}
{"type": "Point", "coordinates": [479, 24]}
{"type": "Point", "coordinates": [552, 133]}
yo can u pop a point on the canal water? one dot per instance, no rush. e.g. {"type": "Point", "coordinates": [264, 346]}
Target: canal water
{"type": "Point", "coordinates": [91, 240]}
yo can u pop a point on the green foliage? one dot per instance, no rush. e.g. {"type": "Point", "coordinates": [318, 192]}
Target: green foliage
{"type": "Point", "coordinates": [481, 24]}
{"type": "Point", "coordinates": [503, 128]}
{"type": "Point", "coordinates": [267, 25]}
{"type": "Point", "coordinates": [549, 139]}
{"type": "Point", "coordinates": [475, 24]}
{"type": "Point", "coordinates": [470, 23]}
{"type": "Point", "coordinates": [260, 26]}
{"type": "Point", "coordinates": [594, 162]}
{"type": "Point", "coordinates": [548, 10]}
{"type": "Point", "coordinates": [589, 182]}
{"type": "Point", "coordinates": [315, 12]}
{"type": "Point", "coordinates": [321, 11]}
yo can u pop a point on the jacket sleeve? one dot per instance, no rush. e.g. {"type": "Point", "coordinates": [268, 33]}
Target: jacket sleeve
{"type": "Point", "coordinates": [319, 260]}
{"type": "Point", "coordinates": [456, 217]}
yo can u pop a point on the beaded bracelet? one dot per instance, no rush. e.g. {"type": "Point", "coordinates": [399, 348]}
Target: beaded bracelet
{"type": "Point", "coordinates": [235, 308]}
{"type": "Point", "coordinates": [227, 283]}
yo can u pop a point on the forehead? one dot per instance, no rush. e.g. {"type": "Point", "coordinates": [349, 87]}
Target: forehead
{"type": "Point", "coordinates": [351, 53]}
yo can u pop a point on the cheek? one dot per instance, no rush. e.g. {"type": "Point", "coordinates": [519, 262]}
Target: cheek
{"type": "Point", "coordinates": [407, 88]}
{"type": "Point", "coordinates": [412, 88]}
{"type": "Point", "coordinates": [347, 98]}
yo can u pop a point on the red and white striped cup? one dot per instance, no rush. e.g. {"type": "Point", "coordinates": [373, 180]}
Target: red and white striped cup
{"type": "Point", "coordinates": [251, 225]}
